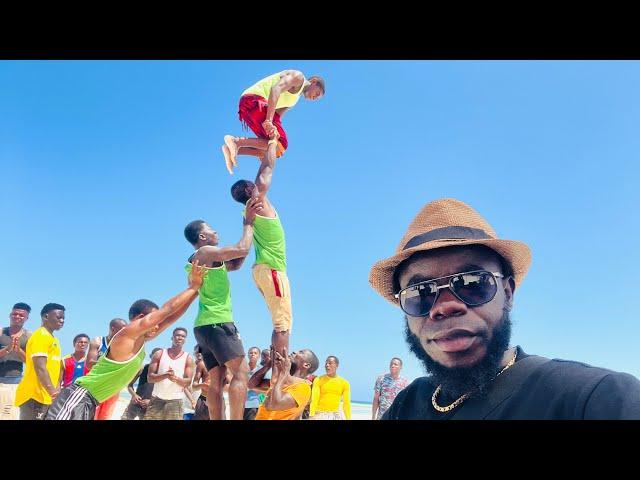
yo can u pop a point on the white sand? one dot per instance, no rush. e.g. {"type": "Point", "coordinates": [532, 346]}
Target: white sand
{"type": "Point", "coordinates": [359, 411]}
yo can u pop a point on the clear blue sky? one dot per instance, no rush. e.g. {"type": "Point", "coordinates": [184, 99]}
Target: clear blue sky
{"type": "Point", "coordinates": [103, 163]}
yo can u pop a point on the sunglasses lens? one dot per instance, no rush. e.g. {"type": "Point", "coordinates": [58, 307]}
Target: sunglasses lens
{"type": "Point", "coordinates": [417, 300]}
{"type": "Point", "coordinates": [475, 288]}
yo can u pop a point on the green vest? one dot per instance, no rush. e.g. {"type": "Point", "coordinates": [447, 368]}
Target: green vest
{"type": "Point", "coordinates": [108, 377]}
{"type": "Point", "coordinates": [268, 238]}
{"type": "Point", "coordinates": [214, 305]}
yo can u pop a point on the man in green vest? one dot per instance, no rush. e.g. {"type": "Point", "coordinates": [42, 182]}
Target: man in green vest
{"type": "Point", "coordinates": [214, 329]}
{"type": "Point", "coordinates": [261, 108]}
{"type": "Point", "coordinates": [125, 354]}
{"type": "Point", "coordinates": [270, 269]}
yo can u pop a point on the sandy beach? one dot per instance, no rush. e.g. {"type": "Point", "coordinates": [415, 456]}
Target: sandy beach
{"type": "Point", "coordinates": [359, 411]}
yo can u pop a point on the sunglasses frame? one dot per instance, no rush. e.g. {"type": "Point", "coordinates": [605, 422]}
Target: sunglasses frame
{"type": "Point", "coordinates": [449, 286]}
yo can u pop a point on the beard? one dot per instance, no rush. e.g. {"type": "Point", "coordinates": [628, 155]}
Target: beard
{"type": "Point", "coordinates": [460, 380]}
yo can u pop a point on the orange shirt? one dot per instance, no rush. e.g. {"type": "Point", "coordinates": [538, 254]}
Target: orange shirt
{"type": "Point", "coordinates": [301, 393]}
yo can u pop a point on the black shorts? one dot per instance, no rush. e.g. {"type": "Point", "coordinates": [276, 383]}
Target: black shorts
{"type": "Point", "coordinates": [219, 343]}
{"type": "Point", "coordinates": [250, 413]}
{"type": "Point", "coordinates": [73, 403]}
{"type": "Point", "coordinates": [202, 409]}
{"type": "Point", "coordinates": [32, 410]}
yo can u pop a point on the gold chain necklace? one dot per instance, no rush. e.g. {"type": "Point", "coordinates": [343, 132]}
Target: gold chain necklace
{"type": "Point", "coordinates": [466, 395]}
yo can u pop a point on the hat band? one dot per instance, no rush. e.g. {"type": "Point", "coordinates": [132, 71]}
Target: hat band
{"type": "Point", "coordinates": [448, 233]}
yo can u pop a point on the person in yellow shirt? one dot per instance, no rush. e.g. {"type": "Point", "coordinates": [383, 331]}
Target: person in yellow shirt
{"type": "Point", "coordinates": [326, 393]}
{"type": "Point", "coordinates": [289, 392]}
{"type": "Point", "coordinates": [38, 387]}
{"type": "Point", "coordinates": [261, 108]}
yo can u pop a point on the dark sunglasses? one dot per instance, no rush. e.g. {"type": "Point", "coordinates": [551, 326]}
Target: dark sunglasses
{"type": "Point", "coordinates": [473, 288]}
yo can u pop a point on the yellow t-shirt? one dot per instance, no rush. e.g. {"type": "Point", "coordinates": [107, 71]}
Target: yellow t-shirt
{"type": "Point", "coordinates": [41, 344]}
{"type": "Point", "coordinates": [326, 395]}
{"type": "Point", "coordinates": [301, 393]}
{"type": "Point", "coordinates": [263, 88]}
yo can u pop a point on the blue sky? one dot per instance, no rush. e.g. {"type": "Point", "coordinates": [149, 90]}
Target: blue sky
{"type": "Point", "coordinates": [104, 163]}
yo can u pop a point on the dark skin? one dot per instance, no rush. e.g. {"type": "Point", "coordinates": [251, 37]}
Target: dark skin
{"type": "Point", "coordinates": [52, 321]}
{"type": "Point", "coordinates": [201, 378]}
{"type": "Point", "coordinates": [94, 347]}
{"type": "Point", "coordinates": [177, 342]}
{"type": "Point", "coordinates": [135, 398]}
{"type": "Point", "coordinates": [130, 339]}
{"type": "Point", "coordinates": [290, 81]}
{"type": "Point", "coordinates": [17, 318]}
{"type": "Point", "coordinates": [258, 192]}
{"type": "Point", "coordinates": [79, 353]}
{"type": "Point", "coordinates": [450, 318]}
{"type": "Point", "coordinates": [208, 253]}
{"type": "Point", "coordinates": [282, 377]}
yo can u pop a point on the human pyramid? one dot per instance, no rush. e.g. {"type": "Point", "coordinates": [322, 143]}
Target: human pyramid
{"type": "Point", "coordinates": [288, 392]}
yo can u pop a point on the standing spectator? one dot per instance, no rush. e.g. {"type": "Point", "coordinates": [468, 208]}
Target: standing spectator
{"type": "Point", "coordinates": [13, 343]}
{"type": "Point", "coordinates": [141, 396]}
{"type": "Point", "coordinates": [326, 393]}
{"type": "Point", "coordinates": [387, 387]}
{"type": "Point", "coordinates": [39, 386]}
{"type": "Point", "coordinates": [75, 365]}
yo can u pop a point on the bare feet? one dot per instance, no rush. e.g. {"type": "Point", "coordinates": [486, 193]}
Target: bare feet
{"type": "Point", "coordinates": [227, 159]}
{"type": "Point", "coordinates": [230, 142]}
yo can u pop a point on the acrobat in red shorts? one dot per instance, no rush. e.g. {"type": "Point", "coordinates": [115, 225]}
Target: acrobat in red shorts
{"type": "Point", "coordinates": [252, 111]}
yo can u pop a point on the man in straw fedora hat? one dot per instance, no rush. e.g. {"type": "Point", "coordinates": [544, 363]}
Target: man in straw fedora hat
{"type": "Point", "coordinates": [455, 281]}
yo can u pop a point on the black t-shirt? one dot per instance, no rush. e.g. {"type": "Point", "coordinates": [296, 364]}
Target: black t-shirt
{"type": "Point", "coordinates": [144, 388]}
{"type": "Point", "coordinates": [555, 390]}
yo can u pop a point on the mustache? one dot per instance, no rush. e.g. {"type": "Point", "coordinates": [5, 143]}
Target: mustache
{"type": "Point", "coordinates": [476, 378]}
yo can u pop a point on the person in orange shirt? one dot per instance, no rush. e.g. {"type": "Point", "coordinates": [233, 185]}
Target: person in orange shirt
{"type": "Point", "coordinates": [290, 392]}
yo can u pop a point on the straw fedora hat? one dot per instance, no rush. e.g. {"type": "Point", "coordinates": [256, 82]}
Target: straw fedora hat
{"type": "Point", "coordinates": [446, 223]}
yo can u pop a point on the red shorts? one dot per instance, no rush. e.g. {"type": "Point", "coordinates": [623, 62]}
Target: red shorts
{"type": "Point", "coordinates": [104, 410]}
{"type": "Point", "coordinates": [252, 111]}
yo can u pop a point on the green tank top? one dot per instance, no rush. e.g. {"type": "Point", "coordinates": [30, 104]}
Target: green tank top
{"type": "Point", "coordinates": [108, 377]}
{"type": "Point", "coordinates": [214, 305]}
{"type": "Point", "coordinates": [268, 238]}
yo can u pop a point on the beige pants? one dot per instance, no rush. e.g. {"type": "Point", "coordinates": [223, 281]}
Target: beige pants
{"type": "Point", "coordinates": [8, 411]}
{"type": "Point", "coordinates": [274, 286]}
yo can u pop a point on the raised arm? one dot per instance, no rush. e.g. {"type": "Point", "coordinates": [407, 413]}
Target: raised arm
{"type": "Point", "coordinates": [277, 398]}
{"type": "Point", "coordinates": [265, 172]}
{"type": "Point", "coordinates": [257, 383]}
{"type": "Point", "coordinates": [172, 309]}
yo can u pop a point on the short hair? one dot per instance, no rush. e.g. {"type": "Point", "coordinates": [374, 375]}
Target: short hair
{"type": "Point", "coordinates": [396, 358]}
{"type": "Point", "coordinates": [113, 322]}
{"type": "Point", "coordinates": [141, 306]}
{"type": "Point", "coordinates": [182, 329]}
{"type": "Point", "coordinates": [255, 348]}
{"type": "Point", "coordinates": [80, 335]}
{"type": "Point", "coordinates": [51, 306]}
{"type": "Point", "coordinates": [319, 81]}
{"type": "Point", "coordinates": [192, 230]}
{"type": "Point", "coordinates": [238, 191]}
{"type": "Point", "coordinates": [22, 306]}
{"type": "Point", "coordinates": [312, 359]}
{"type": "Point", "coordinates": [153, 352]}
{"type": "Point", "coordinates": [334, 357]}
